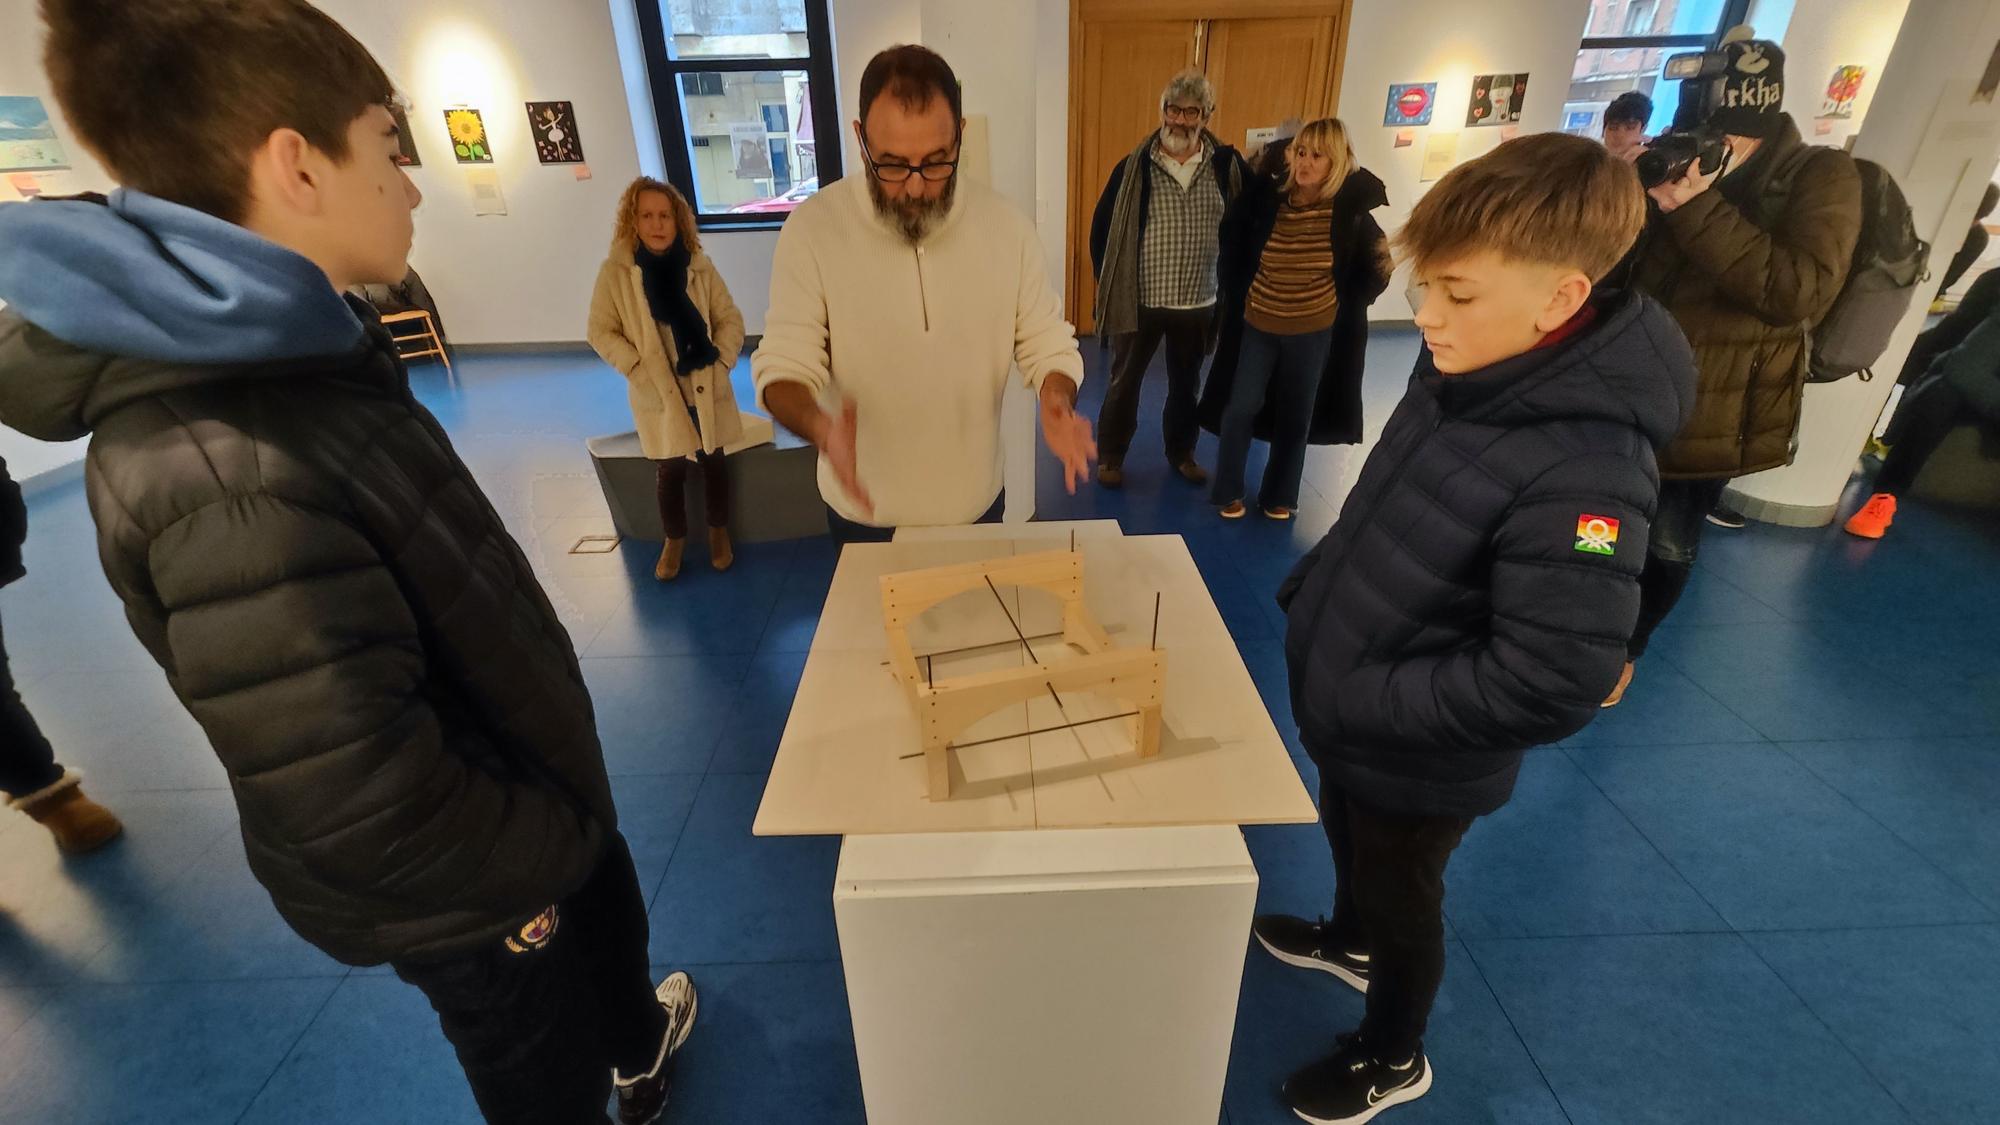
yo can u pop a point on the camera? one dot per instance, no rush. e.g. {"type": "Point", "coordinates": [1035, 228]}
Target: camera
{"type": "Point", "coordinates": [1702, 75]}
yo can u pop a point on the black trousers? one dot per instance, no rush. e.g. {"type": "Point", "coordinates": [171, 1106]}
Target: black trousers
{"type": "Point", "coordinates": [27, 761]}
{"type": "Point", "coordinates": [1980, 300]}
{"type": "Point", "coordinates": [1186, 334]}
{"type": "Point", "coordinates": [540, 1019]}
{"type": "Point", "coordinates": [1929, 412]}
{"type": "Point", "coordinates": [1389, 903]}
{"type": "Point", "coordinates": [672, 488]}
{"type": "Point", "coordinates": [1670, 553]}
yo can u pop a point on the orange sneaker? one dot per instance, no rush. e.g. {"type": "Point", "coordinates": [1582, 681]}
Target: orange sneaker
{"type": "Point", "coordinates": [1874, 518]}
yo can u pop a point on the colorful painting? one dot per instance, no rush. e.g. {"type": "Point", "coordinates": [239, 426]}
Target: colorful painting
{"type": "Point", "coordinates": [554, 127]}
{"type": "Point", "coordinates": [1410, 103]}
{"type": "Point", "coordinates": [1841, 90]}
{"type": "Point", "coordinates": [28, 138]}
{"type": "Point", "coordinates": [468, 136]}
{"type": "Point", "coordinates": [406, 139]}
{"type": "Point", "coordinates": [1496, 99]}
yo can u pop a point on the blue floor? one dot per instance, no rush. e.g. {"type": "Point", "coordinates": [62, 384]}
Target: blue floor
{"type": "Point", "coordinates": [1764, 890]}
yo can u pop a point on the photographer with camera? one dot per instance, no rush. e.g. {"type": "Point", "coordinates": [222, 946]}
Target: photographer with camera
{"type": "Point", "coordinates": [1750, 240]}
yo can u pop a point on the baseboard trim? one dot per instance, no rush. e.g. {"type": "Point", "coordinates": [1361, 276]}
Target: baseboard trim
{"type": "Point", "coordinates": [1783, 515]}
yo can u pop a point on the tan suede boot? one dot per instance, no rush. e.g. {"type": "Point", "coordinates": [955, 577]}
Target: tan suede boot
{"type": "Point", "coordinates": [669, 566]}
{"type": "Point", "coordinates": [78, 823]}
{"type": "Point", "coordinates": [719, 551]}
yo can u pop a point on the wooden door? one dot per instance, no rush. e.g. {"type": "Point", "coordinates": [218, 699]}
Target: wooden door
{"type": "Point", "coordinates": [1269, 60]}
{"type": "Point", "coordinates": [1266, 70]}
{"type": "Point", "coordinates": [1124, 65]}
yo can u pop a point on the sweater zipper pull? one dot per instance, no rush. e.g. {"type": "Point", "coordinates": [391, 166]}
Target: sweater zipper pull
{"type": "Point", "coordinates": [923, 293]}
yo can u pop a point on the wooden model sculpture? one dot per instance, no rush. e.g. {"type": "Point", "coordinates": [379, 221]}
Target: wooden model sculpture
{"type": "Point", "coordinates": [945, 708]}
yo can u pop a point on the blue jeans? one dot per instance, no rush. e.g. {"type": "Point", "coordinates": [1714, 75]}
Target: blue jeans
{"type": "Point", "coordinates": [1286, 370]}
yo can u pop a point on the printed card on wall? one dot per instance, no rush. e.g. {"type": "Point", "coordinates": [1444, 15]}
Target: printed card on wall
{"type": "Point", "coordinates": [1410, 103]}
{"type": "Point", "coordinates": [1440, 153]}
{"type": "Point", "coordinates": [406, 139]}
{"type": "Point", "coordinates": [28, 138]}
{"type": "Point", "coordinates": [1841, 90]}
{"type": "Point", "coordinates": [468, 136]}
{"type": "Point", "coordinates": [554, 127]}
{"type": "Point", "coordinates": [1496, 99]}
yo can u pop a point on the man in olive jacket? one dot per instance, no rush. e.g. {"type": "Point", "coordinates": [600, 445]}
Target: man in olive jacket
{"type": "Point", "coordinates": [1747, 260]}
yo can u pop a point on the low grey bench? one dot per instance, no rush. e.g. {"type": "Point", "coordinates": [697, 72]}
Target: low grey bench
{"type": "Point", "coordinates": [773, 482]}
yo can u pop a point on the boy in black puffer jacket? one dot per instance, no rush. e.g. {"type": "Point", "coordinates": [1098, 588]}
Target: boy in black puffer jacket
{"type": "Point", "coordinates": [1476, 595]}
{"type": "Point", "coordinates": [409, 740]}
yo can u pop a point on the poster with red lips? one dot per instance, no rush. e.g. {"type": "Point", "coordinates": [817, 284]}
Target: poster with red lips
{"type": "Point", "coordinates": [1410, 103]}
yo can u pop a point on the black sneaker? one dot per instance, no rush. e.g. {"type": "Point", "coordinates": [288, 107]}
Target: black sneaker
{"type": "Point", "coordinates": [642, 1098]}
{"type": "Point", "coordinates": [1726, 517]}
{"type": "Point", "coordinates": [1296, 941]}
{"type": "Point", "coordinates": [1352, 1085]}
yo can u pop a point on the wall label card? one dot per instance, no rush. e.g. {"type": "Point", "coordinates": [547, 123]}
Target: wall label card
{"type": "Point", "coordinates": [1440, 153]}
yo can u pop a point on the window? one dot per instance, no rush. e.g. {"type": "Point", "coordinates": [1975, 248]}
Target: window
{"type": "Point", "coordinates": [738, 88]}
{"type": "Point", "coordinates": [1626, 42]}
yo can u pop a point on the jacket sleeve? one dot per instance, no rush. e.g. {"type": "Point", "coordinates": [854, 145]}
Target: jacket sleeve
{"type": "Point", "coordinates": [1789, 274]}
{"type": "Point", "coordinates": [1044, 343]}
{"type": "Point", "coordinates": [725, 320]}
{"type": "Point", "coordinates": [13, 510]}
{"type": "Point", "coordinates": [1561, 619]}
{"type": "Point", "coordinates": [606, 331]}
{"type": "Point", "coordinates": [297, 652]}
{"type": "Point", "coordinates": [796, 346]}
{"type": "Point", "coordinates": [1100, 219]}
{"type": "Point", "coordinates": [1381, 264]}
{"type": "Point", "coordinates": [1289, 588]}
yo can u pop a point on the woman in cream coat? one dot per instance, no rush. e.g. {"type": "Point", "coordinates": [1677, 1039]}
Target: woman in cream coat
{"type": "Point", "coordinates": [662, 316]}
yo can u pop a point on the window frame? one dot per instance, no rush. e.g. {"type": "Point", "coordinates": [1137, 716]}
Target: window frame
{"type": "Point", "coordinates": [663, 74]}
{"type": "Point", "coordinates": [1733, 13]}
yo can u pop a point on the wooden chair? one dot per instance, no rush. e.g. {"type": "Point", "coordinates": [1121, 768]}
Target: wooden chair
{"type": "Point", "coordinates": [420, 343]}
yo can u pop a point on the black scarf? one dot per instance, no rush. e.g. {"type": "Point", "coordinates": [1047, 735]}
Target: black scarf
{"type": "Point", "coordinates": [666, 281]}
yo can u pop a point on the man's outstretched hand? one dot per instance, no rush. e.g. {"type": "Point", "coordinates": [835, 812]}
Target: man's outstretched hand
{"type": "Point", "coordinates": [836, 441]}
{"type": "Point", "coordinates": [1066, 432]}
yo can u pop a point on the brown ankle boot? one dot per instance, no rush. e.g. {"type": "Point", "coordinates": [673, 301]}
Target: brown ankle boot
{"type": "Point", "coordinates": [78, 823]}
{"type": "Point", "coordinates": [669, 566]}
{"type": "Point", "coordinates": [719, 551]}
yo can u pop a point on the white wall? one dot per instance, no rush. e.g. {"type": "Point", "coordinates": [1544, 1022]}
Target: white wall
{"type": "Point", "coordinates": [1447, 42]}
{"type": "Point", "coordinates": [1825, 34]}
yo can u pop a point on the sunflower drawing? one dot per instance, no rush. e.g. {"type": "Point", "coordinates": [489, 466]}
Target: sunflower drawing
{"type": "Point", "coordinates": [468, 136]}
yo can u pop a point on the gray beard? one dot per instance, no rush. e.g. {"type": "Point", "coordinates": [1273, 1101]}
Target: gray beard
{"type": "Point", "coordinates": [914, 219]}
{"type": "Point", "coordinates": [1178, 140]}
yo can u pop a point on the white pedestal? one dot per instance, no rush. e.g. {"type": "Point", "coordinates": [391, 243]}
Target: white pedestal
{"type": "Point", "coordinates": [1067, 977]}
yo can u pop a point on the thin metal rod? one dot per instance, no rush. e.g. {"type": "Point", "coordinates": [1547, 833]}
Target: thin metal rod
{"type": "Point", "coordinates": [1156, 619]}
{"type": "Point", "coordinates": [989, 644]}
{"type": "Point", "coordinates": [1008, 614]}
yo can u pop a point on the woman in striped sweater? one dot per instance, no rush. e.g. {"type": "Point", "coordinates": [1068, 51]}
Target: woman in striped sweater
{"type": "Point", "coordinates": [1301, 263]}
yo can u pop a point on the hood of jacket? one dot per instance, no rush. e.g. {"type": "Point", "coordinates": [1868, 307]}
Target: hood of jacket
{"type": "Point", "coordinates": [1633, 367]}
{"type": "Point", "coordinates": [111, 300]}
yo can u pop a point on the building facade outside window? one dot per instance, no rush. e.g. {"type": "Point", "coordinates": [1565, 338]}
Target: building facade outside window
{"type": "Point", "coordinates": [739, 87]}
{"type": "Point", "coordinates": [1627, 42]}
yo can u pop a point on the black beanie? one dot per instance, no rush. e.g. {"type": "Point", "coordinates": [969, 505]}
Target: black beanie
{"type": "Point", "coordinates": [1753, 89]}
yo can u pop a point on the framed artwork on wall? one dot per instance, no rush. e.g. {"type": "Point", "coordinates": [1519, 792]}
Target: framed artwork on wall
{"type": "Point", "coordinates": [1410, 103]}
{"type": "Point", "coordinates": [554, 127]}
{"type": "Point", "coordinates": [28, 138]}
{"type": "Point", "coordinates": [1496, 99]}
{"type": "Point", "coordinates": [468, 136]}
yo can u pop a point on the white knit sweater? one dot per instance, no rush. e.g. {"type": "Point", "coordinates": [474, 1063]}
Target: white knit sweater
{"type": "Point", "coordinates": [920, 338]}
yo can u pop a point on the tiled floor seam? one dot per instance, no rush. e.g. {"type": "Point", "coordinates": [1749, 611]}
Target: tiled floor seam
{"type": "Point", "coordinates": [251, 1102]}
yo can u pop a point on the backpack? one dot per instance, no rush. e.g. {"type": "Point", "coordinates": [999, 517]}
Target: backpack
{"type": "Point", "coordinates": [1889, 262]}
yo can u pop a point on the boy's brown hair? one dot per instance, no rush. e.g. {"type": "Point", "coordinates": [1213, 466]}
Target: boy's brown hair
{"type": "Point", "coordinates": [174, 95]}
{"type": "Point", "coordinates": [1548, 198]}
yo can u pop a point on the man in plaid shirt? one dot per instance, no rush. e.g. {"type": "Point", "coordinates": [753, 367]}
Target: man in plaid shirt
{"type": "Point", "coordinates": [1153, 243]}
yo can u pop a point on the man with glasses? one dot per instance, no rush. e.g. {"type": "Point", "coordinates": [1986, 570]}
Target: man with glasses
{"type": "Point", "coordinates": [900, 301]}
{"type": "Point", "coordinates": [1153, 243]}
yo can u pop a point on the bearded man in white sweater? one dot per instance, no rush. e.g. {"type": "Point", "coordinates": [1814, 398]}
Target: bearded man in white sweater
{"type": "Point", "coordinates": [901, 299]}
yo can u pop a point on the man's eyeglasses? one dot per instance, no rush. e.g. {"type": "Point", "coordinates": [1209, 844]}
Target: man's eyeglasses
{"type": "Point", "coordinates": [1186, 114]}
{"type": "Point", "coordinates": [896, 172]}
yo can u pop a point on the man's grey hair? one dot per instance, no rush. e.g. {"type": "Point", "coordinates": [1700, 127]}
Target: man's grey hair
{"type": "Point", "coordinates": [1190, 85]}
